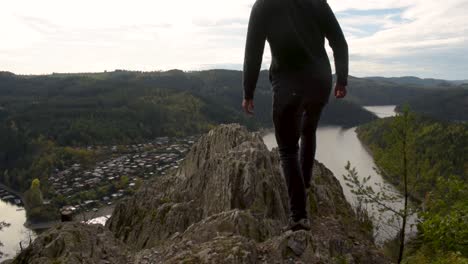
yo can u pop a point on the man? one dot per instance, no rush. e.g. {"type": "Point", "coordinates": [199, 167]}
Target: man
{"type": "Point", "coordinates": [301, 78]}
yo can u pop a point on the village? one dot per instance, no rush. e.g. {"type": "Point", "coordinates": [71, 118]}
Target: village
{"type": "Point", "coordinates": [128, 166]}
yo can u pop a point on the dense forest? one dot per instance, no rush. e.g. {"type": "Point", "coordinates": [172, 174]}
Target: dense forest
{"type": "Point", "coordinates": [121, 106]}
{"type": "Point", "coordinates": [42, 116]}
{"type": "Point", "coordinates": [448, 104]}
{"type": "Point", "coordinates": [426, 82]}
{"type": "Point", "coordinates": [451, 99]}
{"type": "Point", "coordinates": [443, 100]}
{"type": "Point", "coordinates": [438, 183]}
{"type": "Point", "coordinates": [439, 147]}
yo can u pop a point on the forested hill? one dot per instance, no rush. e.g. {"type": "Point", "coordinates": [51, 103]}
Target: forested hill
{"type": "Point", "coordinates": [449, 105]}
{"type": "Point", "coordinates": [438, 148]}
{"type": "Point", "coordinates": [123, 106]}
{"type": "Point", "coordinates": [427, 82]}
{"type": "Point", "coordinates": [383, 91]}
{"type": "Point", "coordinates": [437, 181]}
{"type": "Point", "coordinates": [440, 99]}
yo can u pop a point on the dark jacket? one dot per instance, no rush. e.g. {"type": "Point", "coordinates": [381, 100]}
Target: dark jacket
{"type": "Point", "coordinates": [296, 31]}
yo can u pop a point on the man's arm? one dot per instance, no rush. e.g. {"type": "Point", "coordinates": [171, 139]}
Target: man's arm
{"type": "Point", "coordinates": [254, 47]}
{"type": "Point", "coordinates": [337, 42]}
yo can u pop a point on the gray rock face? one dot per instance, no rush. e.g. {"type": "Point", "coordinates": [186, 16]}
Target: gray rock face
{"type": "Point", "coordinates": [227, 203]}
{"type": "Point", "coordinates": [228, 168]}
{"type": "Point", "coordinates": [74, 243]}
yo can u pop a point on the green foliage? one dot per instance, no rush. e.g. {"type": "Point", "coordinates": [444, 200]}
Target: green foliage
{"type": "Point", "coordinates": [47, 121]}
{"type": "Point", "coordinates": [397, 160]}
{"type": "Point", "coordinates": [36, 210]}
{"type": "Point", "coordinates": [364, 91]}
{"type": "Point", "coordinates": [69, 155]}
{"type": "Point", "coordinates": [448, 232]}
{"type": "Point", "coordinates": [39, 161]}
{"type": "Point", "coordinates": [103, 190]}
{"type": "Point", "coordinates": [122, 183]}
{"type": "Point", "coordinates": [445, 226]}
{"type": "Point", "coordinates": [42, 213]}
{"type": "Point", "coordinates": [88, 195]}
{"type": "Point", "coordinates": [437, 149]}
{"type": "Point", "coordinates": [446, 104]}
{"type": "Point", "coordinates": [428, 256]}
{"type": "Point", "coordinates": [399, 141]}
{"type": "Point", "coordinates": [390, 247]}
{"type": "Point", "coordinates": [385, 201]}
{"type": "Point", "coordinates": [33, 197]}
{"type": "Point", "coordinates": [438, 169]}
{"type": "Point", "coordinates": [125, 107]}
{"type": "Point", "coordinates": [138, 184]}
{"type": "Point", "coordinates": [35, 184]}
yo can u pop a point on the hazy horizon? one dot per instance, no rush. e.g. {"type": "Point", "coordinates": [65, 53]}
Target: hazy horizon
{"type": "Point", "coordinates": [221, 69]}
{"type": "Point", "coordinates": [387, 38]}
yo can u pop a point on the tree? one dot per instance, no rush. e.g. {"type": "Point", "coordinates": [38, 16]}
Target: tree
{"type": "Point", "coordinates": [34, 196]}
{"type": "Point", "coordinates": [36, 210]}
{"type": "Point", "coordinates": [395, 160]}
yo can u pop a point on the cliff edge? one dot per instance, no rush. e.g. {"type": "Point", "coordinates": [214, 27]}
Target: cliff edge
{"type": "Point", "coordinates": [226, 203]}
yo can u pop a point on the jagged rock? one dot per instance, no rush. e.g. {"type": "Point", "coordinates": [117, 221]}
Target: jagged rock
{"type": "Point", "coordinates": [221, 249]}
{"type": "Point", "coordinates": [238, 222]}
{"type": "Point", "coordinates": [74, 243]}
{"type": "Point", "coordinates": [226, 203]}
{"type": "Point", "coordinates": [229, 190]}
{"type": "Point", "coordinates": [227, 168]}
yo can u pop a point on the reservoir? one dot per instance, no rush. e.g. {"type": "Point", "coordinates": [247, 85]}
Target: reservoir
{"type": "Point", "coordinates": [336, 146]}
{"type": "Point", "coordinates": [12, 235]}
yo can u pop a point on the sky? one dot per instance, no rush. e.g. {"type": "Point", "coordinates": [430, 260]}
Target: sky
{"type": "Point", "coordinates": [428, 39]}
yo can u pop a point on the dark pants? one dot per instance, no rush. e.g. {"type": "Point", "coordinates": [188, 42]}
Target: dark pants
{"type": "Point", "coordinates": [296, 113]}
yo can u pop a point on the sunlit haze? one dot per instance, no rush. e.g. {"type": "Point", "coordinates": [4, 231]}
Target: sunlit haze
{"type": "Point", "coordinates": [385, 37]}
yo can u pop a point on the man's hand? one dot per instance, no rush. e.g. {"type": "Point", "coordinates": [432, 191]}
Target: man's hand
{"type": "Point", "coordinates": [340, 91]}
{"type": "Point", "coordinates": [248, 106]}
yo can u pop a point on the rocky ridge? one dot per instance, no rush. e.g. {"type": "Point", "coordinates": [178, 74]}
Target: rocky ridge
{"type": "Point", "coordinates": [226, 203]}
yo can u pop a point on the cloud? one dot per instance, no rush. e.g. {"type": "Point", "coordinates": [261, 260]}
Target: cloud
{"type": "Point", "coordinates": [386, 37]}
{"type": "Point", "coordinates": [426, 30]}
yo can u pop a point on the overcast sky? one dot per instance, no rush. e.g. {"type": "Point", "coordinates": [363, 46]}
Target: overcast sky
{"type": "Point", "coordinates": [385, 37]}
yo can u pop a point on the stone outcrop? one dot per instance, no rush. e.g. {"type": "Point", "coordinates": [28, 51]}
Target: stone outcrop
{"type": "Point", "coordinates": [226, 203]}
{"type": "Point", "coordinates": [228, 168]}
{"type": "Point", "coordinates": [75, 243]}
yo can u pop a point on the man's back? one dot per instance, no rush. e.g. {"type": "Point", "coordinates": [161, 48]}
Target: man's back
{"type": "Point", "coordinates": [295, 30]}
{"type": "Point", "coordinates": [300, 75]}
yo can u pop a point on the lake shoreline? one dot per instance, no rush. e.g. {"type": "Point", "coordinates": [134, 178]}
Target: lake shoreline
{"type": "Point", "coordinates": [336, 145]}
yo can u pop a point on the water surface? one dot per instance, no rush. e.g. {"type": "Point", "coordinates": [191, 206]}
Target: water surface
{"type": "Point", "coordinates": [336, 146]}
{"type": "Point", "coordinates": [14, 234]}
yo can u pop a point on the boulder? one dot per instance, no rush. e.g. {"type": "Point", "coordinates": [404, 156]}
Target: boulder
{"type": "Point", "coordinates": [74, 243]}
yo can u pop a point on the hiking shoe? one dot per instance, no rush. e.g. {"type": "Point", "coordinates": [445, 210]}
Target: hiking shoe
{"type": "Point", "coordinates": [301, 224]}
